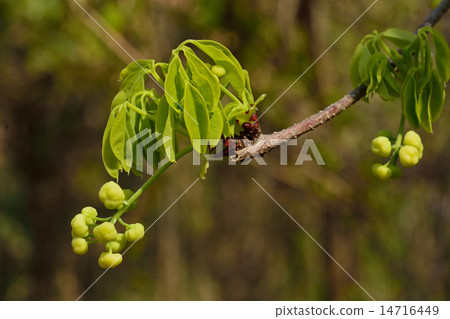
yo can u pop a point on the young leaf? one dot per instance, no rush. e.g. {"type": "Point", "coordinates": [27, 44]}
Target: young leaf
{"type": "Point", "coordinates": [128, 160]}
{"type": "Point", "coordinates": [118, 133]}
{"type": "Point", "coordinates": [196, 117]}
{"type": "Point", "coordinates": [409, 100]}
{"type": "Point", "coordinates": [391, 84]}
{"type": "Point", "coordinates": [381, 69]}
{"type": "Point", "coordinates": [383, 92]}
{"type": "Point", "coordinates": [165, 128]}
{"type": "Point", "coordinates": [133, 76]}
{"type": "Point", "coordinates": [120, 98]}
{"type": "Point", "coordinates": [206, 82]}
{"type": "Point", "coordinates": [174, 84]}
{"type": "Point", "coordinates": [223, 57]}
{"type": "Point", "coordinates": [426, 60]}
{"type": "Point", "coordinates": [355, 76]}
{"type": "Point", "coordinates": [423, 106]}
{"type": "Point", "coordinates": [110, 162]}
{"type": "Point", "coordinates": [399, 37]}
{"type": "Point", "coordinates": [362, 67]}
{"type": "Point", "coordinates": [215, 127]}
{"type": "Point", "coordinates": [437, 96]}
{"type": "Point", "coordinates": [248, 89]}
{"type": "Point", "coordinates": [372, 71]}
{"type": "Point", "coordinates": [442, 55]}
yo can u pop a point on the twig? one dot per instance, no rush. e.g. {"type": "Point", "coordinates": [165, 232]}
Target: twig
{"type": "Point", "coordinates": [267, 142]}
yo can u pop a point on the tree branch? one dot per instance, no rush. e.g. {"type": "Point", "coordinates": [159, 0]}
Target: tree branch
{"type": "Point", "coordinates": [267, 142]}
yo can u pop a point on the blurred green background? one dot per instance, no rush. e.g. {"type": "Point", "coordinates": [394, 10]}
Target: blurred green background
{"type": "Point", "coordinates": [226, 239]}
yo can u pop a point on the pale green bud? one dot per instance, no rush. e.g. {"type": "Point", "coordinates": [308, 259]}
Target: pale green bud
{"type": "Point", "coordinates": [109, 260]}
{"type": "Point", "coordinates": [413, 139]}
{"type": "Point", "coordinates": [105, 232]}
{"type": "Point", "coordinates": [135, 232]}
{"type": "Point", "coordinates": [218, 70]}
{"type": "Point", "coordinates": [381, 171]}
{"type": "Point", "coordinates": [409, 156]}
{"type": "Point", "coordinates": [79, 226]}
{"type": "Point", "coordinates": [111, 195]}
{"type": "Point", "coordinates": [381, 146]}
{"type": "Point", "coordinates": [79, 246]}
{"type": "Point", "coordinates": [89, 213]}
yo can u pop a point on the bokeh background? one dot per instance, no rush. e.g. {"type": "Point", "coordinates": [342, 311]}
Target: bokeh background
{"type": "Point", "coordinates": [226, 239]}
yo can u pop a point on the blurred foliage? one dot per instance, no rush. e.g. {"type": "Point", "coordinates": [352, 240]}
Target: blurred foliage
{"type": "Point", "coordinates": [225, 240]}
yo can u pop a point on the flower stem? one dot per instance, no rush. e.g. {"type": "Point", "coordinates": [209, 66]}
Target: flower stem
{"type": "Point", "coordinates": [146, 185]}
{"type": "Point", "coordinates": [398, 141]}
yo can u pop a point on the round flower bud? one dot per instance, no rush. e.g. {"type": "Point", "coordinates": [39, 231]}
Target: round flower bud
{"type": "Point", "coordinates": [89, 213]}
{"type": "Point", "coordinates": [135, 232]}
{"type": "Point", "coordinates": [109, 260]}
{"type": "Point", "coordinates": [111, 195]}
{"type": "Point", "coordinates": [409, 156]}
{"type": "Point", "coordinates": [79, 246]}
{"type": "Point", "coordinates": [218, 70]}
{"type": "Point", "coordinates": [105, 232]}
{"type": "Point", "coordinates": [79, 226]}
{"type": "Point", "coordinates": [413, 139]}
{"type": "Point", "coordinates": [381, 146]}
{"type": "Point", "coordinates": [128, 193]}
{"type": "Point", "coordinates": [118, 244]}
{"type": "Point", "coordinates": [381, 171]}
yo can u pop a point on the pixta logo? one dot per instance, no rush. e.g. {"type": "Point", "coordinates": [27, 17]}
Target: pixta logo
{"type": "Point", "coordinates": [142, 148]}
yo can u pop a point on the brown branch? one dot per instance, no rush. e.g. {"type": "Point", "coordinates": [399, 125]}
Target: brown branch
{"type": "Point", "coordinates": [267, 142]}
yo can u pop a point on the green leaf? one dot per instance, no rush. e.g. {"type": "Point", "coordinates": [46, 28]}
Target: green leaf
{"type": "Point", "coordinates": [133, 76]}
{"type": "Point", "coordinates": [163, 66]}
{"type": "Point", "coordinates": [371, 70]}
{"type": "Point", "coordinates": [223, 57]}
{"type": "Point", "coordinates": [110, 161]}
{"type": "Point", "coordinates": [381, 69]}
{"type": "Point", "coordinates": [399, 37]}
{"type": "Point", "coordinates": [355, 76]}
{"type": "Point", "coordinates": [411, 54]}
{"type": "Point", "coordinates": [120, 98]}
{"type": "Point", "coordinates": [118, 133]}
{"type": "Point", "coordinates": [232, 111]}
{"type": "Point", "coordinates": [409, 97]}
{"type": "Point", "coordinates": [196, 117]}
{"type": "Point", "coordinates": [362, 67]}
{"type": "Point", "coordinates": [391, 84]}
{"type": "Point", "coordinates": [426, 61]}
{"type": "Point", "coordinates": [128, 158]}
{"type": "Point", "coordinates": [442, 55]}
{"type": "Point", "coordinates": [216, 124]}
{"type": "Point", "coordinates": [437, 96]}
{"type": "Point", "coordinates": [383, 92]}
{"type": "Point", "coordinates": [248, 89]}
{"type": "Point", "coordinates": [165, 128]}
{"type": "Point", "coordinates": [206, 82]}
{"type": "Point", "coordinates": [423, 108]}
{"type": "Point", "coordinates": [174, 84]}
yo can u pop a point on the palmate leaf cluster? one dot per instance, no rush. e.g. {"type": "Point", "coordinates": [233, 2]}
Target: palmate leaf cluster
{"type": "Point", "coordinates": [415, 67]}
{"type": "Point", "coordinates": [192, 104]}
